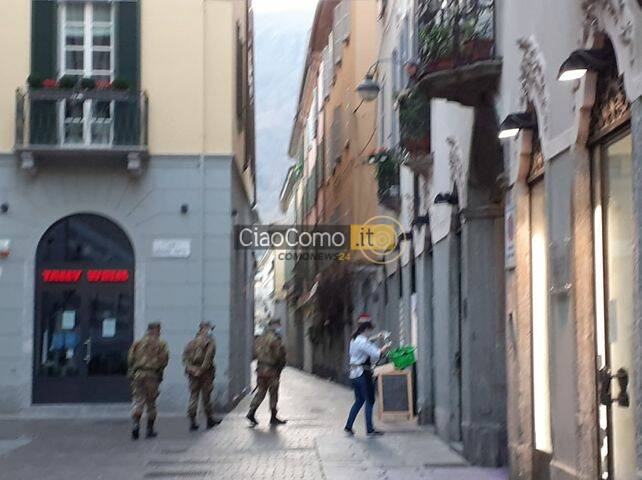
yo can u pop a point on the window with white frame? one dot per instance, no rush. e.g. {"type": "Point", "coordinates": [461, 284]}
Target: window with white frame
{"type": "Point", "coordinates": [87, 51]}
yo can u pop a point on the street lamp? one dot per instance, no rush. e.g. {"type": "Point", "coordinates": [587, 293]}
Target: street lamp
{"type": "Point", "coordinates": [368, 89]}
{"type": "Point", "coordinates": [581, 61]}
{"type": "Point", "coordinates": [515, 122]}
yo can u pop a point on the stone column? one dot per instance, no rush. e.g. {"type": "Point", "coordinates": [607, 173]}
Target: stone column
{"type": "Point", "coordinates": [518, 343]}
{"type": "Point", "coordinates": [483, 336]}
{"type": "Point", "coordinates": [447, 390]}
{"type": "Point", "coordinates": [425, 404]}
{"type": "Point", "coordinates": [636, 133]}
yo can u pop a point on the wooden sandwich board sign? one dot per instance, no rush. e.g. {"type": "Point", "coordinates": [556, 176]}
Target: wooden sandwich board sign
{"type": "Point", "coordinates": [394, 390]}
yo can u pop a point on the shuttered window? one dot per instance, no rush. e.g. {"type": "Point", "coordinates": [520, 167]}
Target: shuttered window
{"type": "Point", "coordinates": [336, 132]}
{"type": "Point", "coordinates": [328, 72]}
{"type": "Point", "coordinates": [340, 29]}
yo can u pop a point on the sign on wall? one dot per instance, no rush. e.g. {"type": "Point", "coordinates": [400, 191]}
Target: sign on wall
{"type": "Point", "coordinates": [172, 248]}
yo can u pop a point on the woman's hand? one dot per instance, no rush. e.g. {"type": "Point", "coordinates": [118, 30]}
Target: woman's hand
{"type": "Point", "coordinates": [386, 348]}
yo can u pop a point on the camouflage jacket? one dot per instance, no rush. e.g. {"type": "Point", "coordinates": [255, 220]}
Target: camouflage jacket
{"type": "Point", "coordinates": [198, 356]}
{"type": "Point", "coordinates": [270, 354]}
{"type": "Point", "coordinates": [147, 357]}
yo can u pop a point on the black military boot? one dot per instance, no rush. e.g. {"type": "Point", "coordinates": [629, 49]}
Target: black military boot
{"type": "Point", "coordinates": [250, 416]}
{"type": "Point", "coordinates": [135, 431]}
{"type": "Point", "coordinates": [150, 429]}
{"type": "Point", "coordinates": [274, 420]}
{"type": "Point", "coordinates": [193, 426]}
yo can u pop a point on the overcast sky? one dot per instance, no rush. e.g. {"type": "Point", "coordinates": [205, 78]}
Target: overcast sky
{"type": "Point", "coordinates": [261, 6]}
{"type": "Point", "coordinates": [282, 30]}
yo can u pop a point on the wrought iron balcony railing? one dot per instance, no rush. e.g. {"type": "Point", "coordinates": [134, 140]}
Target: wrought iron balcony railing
{"type": "Point", "coordinates": [454, 33]}
{"type": "Point", "coordinates": [55, 122]}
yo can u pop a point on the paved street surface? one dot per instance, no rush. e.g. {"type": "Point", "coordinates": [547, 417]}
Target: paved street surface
{"type": "Point", "coordinates": [311, 446]}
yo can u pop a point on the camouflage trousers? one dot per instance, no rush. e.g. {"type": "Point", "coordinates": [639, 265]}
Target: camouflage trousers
{"type": "Point", "coordinates": [266, 384]}
{"type": "Point", "coordinates": [144, 395]}
{"type": "Point", "coordinates": [201, 386]}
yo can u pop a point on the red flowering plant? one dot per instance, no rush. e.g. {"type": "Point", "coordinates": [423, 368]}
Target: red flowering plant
{"type": "Point", "coordinates": [103, 84]}
{"type": "Point", "coordinates": [49, 83]}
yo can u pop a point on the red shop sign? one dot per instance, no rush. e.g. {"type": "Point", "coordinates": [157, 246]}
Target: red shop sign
{"type": "Point", "coordinates": [107, 276]}
{"type": "Point", "coordinates": [61, 276]}
{"type": "Point", "coordinates": [93, 276]}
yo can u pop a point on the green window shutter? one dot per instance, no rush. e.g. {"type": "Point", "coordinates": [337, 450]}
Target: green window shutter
{"type": "Point", "coordinates": [128, 43]}
{"type": "Point", "coordinates": [43, 118]}
{"type": "Point", "coordinates": [127, 129]}
{"type": "Point", "coordinates": [44, 38]}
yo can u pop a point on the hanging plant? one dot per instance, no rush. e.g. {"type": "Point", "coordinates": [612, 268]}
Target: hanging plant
{"type": "Point", "coordinates": [414, 121]}
{"type": "Point", "coordinates": [387, 173]}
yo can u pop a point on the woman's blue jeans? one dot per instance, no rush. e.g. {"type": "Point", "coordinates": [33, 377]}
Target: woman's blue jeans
{"type": "Point", "coordinates": [363, 393]}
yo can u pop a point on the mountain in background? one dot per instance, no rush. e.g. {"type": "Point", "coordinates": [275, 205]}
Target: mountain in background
{"type": "Point", "coordinates": [281, 39]}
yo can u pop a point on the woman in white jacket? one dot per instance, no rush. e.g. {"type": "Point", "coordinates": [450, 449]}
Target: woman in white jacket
{"type": "Point", "coordinates": [363, 354]}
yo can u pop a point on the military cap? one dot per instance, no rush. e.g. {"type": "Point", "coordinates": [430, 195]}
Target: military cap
{"type": "Point", "coordinates": [206, 325]}
{"type": "Point", "coordinates": [152, 325]}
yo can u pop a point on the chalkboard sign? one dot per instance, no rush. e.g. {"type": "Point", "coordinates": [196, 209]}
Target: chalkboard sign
{"type": "Point", "coordinates": [394, 388]}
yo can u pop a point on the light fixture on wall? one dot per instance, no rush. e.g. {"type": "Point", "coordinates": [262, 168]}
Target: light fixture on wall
{"type": "Point", "coordinates": [515, 122]}
{"type": "Point", "coordinates": [368, 89]}
{"type": "Point", "coordinates": [421, 220]}
{"type": "Point", "coordinates": [184, 208]}
{"type": "Point", "coordinates": [4, 208]}
{"type": "Point", "coordinates": [581, 61]}
{"type": "Point", "coordinates": [447, 198]}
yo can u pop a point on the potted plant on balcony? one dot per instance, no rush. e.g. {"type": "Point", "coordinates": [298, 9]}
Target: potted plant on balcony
{"type": "Point", "coordinates": [436, 46]}
{"type": "Point", "coordinates": [414, 121]}
{"type": "Point", "coordinates": [49, 83]}
{"type": "Point", "coordinates": [87, 83]}
{"type": "Point", "coordinates": [476, 40]}
{"type": "Point", "coordinates": [33, 81]}
{"type": "Point", "coordinates": [387, 174]}
{"type": "Point", "coordinates": [67, 82]}
{"type": "Point", "coordinates": [120, 84]}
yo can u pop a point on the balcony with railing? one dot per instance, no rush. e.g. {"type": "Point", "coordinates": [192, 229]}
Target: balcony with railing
{"type": "Point", "coordinates": [457, 49]}
{"type": "Point", "coordinates": [60, 123]}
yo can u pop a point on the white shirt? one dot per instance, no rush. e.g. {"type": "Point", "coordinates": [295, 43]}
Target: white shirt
{"type": "Point", "coordinates": [360, 350]}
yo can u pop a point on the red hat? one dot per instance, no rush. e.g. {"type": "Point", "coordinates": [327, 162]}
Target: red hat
{"type": "Point", "coordinates": [364, 317]}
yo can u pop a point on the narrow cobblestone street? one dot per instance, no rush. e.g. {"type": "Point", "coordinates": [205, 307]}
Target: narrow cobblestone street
{"type": "Point", "coordinates": [311, 446]}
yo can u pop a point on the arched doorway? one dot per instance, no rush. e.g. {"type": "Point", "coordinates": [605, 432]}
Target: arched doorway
{"type": "Point", "coordinates": [84, 312]}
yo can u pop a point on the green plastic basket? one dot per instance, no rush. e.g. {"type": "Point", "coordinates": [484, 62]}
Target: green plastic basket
{"type": "Point", "coordinates": [402, 357]}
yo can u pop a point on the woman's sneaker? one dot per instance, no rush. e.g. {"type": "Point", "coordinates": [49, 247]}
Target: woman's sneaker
{"type": "Point", "coordinates": [375, 433]}
{"type": "Point", "coordinates": [349, 431]}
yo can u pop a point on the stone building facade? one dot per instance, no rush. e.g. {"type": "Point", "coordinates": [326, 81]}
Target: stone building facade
{"type": "Point", "coordinates": [120, 193]}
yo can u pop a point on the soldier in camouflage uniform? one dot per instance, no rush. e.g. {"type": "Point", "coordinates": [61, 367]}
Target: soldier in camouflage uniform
{"type": "Point", "coordinates": [198, 359]}
{"type": "Point", "coordinates": [270, 354]}
{"type": "Point", "coordinates": [147, 360]}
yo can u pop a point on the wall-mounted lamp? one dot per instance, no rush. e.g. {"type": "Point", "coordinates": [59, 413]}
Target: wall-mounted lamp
{"type": "Point", "coordinates": [369, 88]}
{"type": "Point", "coordinates": [581, 61]}
{"type": "Point", "coordinates": [447, 198]}
{"type": "Point", "coordinates": [421, 220]}
{"type": "Point", "coordinates": [515, 122]}
{"type": "Point", "coordinates": [184, 208]}
{"type": "Point", "coordinates": [4, 208]}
